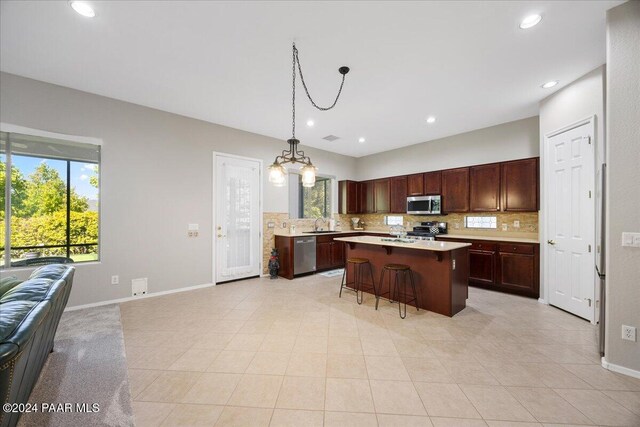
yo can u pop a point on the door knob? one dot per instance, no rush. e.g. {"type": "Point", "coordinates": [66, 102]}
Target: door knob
{"type": "Point", "coordinates": [551, 242]}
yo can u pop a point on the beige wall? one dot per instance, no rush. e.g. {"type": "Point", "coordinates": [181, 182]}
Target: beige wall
{"type": "Point", "coordinates": [156, 178]}
{"type": "Point", "coordinates": [623, 157]}
{"type": "Point", "coordinates": [579, 100]}
{"type": "Point", "coordinates": [507, 141]}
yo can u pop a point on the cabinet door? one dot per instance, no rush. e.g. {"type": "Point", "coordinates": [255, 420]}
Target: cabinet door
{"type": "Point", "coordinates": [323, 255]}
{"type": "Point", "coordinates": [433, 182]}
{"type": "Point", "coordinates": [382, 195]}
{"type": "Point", "coordinates": [368, 200]}
{"type": "Point", "coordinates": [482, 266]}
{"type": "Point", "coordinates": [399, 194]}
{"type": "Point", "coordinates": [349, 197]}
{"type": "Point", "coordinates": [337, 254]}
{"type": "Point", "coordinates": [484, 188]}
{"type": "Point", "coordinates": [520, 185]}
{"type": "Point", "coordinates": [455, 190]}
{"type": "Point", "coordinates": [415, 184]}
{"type": "Point", "coordinates": [352, 197]}
{"type": "Point", "coordinates": [517, 271]}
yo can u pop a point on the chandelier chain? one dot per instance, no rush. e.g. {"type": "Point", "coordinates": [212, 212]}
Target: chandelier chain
{"type": "Point", "coordinates": [296, 59]}
{"type": "Point", "coordinates": [293, 92]}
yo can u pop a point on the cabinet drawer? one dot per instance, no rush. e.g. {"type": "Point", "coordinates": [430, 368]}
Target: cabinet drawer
{"type": "Point", "coordinates": [516, 248]}
{"type": "Point", "coordinates": [324, 239]}
{"type": "Point", "coordinates": [483, 246]}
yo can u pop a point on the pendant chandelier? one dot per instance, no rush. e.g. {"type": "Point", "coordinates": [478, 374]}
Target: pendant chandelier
{"type": "Point", "coordinates": [277, 171]}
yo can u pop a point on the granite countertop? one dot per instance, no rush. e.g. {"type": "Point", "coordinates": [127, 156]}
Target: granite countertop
{"type": "Point", "coordinates": [285, 232]}
{"type": "Point", "coordinates": [491, 238]}
{"type": "Point", "coordinates": [424, 245]}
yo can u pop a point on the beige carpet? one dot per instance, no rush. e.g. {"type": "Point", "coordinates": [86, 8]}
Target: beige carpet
{"type": "Point", "coordinates": [88, 365]}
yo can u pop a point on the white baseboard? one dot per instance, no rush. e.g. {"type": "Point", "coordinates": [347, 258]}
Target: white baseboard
{"type": "Point", "coordinates": [620, 369]}
{"type": "Point", "coordinates": [151, 295]}
{"type": "Point", "coordinates": [543, 301]}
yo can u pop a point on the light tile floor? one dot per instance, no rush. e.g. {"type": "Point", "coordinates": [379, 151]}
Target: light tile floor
{"type": "Point", "coordinates": [291, 353]}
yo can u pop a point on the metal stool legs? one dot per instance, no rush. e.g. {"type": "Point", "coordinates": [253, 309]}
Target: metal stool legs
{"type": "Point", "coordinates": [357, 281]}
{"type": "Point", "coordinates": [395, 293]}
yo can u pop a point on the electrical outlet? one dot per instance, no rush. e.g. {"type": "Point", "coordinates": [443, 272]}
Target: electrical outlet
{"type": "Point", "coordinates": [139, 287]}
{"type": "Point", "coordinates": [504, 227]}
{"type": "Point", "coordinates": [516, 224]}
{"type": "Point", "coordinates": [115, 280]}
{"type": "Point", "coordinates": [628, 333]}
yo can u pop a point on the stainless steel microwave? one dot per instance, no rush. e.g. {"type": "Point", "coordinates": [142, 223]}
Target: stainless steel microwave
{"type": "Point", "coordinates": [424, 205]}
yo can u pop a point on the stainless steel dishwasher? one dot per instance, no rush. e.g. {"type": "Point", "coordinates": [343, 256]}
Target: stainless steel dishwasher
{"type": "Point", "coordinates": [304, 255]}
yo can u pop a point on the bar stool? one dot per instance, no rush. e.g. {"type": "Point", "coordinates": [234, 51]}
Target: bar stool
{"type": "Point", "coordinates": [404, 270]}
{"type": "Point", "coordinates": [358, 266]}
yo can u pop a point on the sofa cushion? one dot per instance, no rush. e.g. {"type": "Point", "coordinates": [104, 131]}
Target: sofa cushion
{"type": "Point", "coordinates": [6, 283]}
{"type": "Point", "coordinates": [32, 290]}
{"type": "Point", "coordinates": [51, 271]}
{"type": "Point", "coordinates": [13, 313]}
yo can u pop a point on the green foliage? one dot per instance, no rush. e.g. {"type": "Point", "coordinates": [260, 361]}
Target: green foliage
{"type": "Point", "coordinates": [51, 229]}
{"type": "Point", "coordinates": [39, 213]}
{"type": "Point", "coordinates": [45, 191]}
{"type": "Point", "coordinates": [316, 200]}
{"type": "Point", "coordinates": [18, 189]}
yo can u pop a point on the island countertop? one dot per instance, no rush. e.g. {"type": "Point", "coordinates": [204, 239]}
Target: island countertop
{"type": "Point", "coordinates": [424, 245]}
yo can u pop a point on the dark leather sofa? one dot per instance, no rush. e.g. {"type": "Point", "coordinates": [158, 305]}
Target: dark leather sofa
{"type": "Point", "coordinates": [29, 317]}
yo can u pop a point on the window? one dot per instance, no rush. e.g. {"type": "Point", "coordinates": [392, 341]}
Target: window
{"type": "Point", "coordinates": [393, 219]}
{"type": "Point", "coordinates": [480, 222]}
{"type": "Point", "coordinates": [53, 189]}
{"type": "Point", "coordinates": [315, 202]}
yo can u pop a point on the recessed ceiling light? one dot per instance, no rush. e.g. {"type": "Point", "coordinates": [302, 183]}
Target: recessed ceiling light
{"type": "Point", "coordinates": [83, 8]}
{"type": "Point", "coordinates": [310, 123]}
{"type": "Point", "coordinates": [547, 85]}
{"type": "Point", "coordinates": [530, 21]}
{"type": "Point", "coordinates": [431, 119]}
{"type": "Point", "coordinates": [361, 139]}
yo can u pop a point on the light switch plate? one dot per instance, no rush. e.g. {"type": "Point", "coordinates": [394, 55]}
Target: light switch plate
{"type": "Point", "coordinates": [631, 240]}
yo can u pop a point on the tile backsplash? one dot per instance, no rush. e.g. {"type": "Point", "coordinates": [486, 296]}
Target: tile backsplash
{"type": "Point", "coordinates": [528, 222]}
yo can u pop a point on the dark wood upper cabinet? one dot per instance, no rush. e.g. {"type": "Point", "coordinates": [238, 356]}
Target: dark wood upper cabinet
{"type": "Point", "coordinates": [349, 200]}
{"type": "Point", "coordinates": [433, 182]}
{"type": "Point", "coordinates": [415, 184]}
{"type": "Point", "coordinates": [455, 190]}
{"type": "Point", "coordinates": [368, 201]}
{"type": "Point", "coordinates": [399, 194]}
{"type": "Point", "coordinates": [520, 185]}
{"type": "Point", "coordinates": [484, 188]}
{"type": "Point", "coordinates": [382, 189]}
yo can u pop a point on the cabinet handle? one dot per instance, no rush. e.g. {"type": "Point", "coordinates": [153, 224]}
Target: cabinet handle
{"type": "Point", "coordinates": [515, 248]}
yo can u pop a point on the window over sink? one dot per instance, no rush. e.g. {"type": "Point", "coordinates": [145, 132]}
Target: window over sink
{"type": "Point", "coordinates": [310, 202]}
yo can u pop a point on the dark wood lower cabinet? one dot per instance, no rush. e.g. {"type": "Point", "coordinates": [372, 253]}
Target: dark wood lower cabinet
{"type": "Point", "coordinates": [323, 255]}
{"type": "Point", "coordinates": [502, 266]}
{"type": "Point", "coordinates": [329, 253]}
{"type": "Point", "coordinates": [517, 271]}
{"type": "Point", "coordinates": [482, 266]}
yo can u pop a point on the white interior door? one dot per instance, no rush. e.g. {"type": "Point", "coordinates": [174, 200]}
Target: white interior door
{"type": "Point", "coordinates": [570, 228]}
{"type": "Point", "coordinates": [237, 216]}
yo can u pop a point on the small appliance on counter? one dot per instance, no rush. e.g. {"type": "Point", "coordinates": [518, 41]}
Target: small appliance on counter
{"type": "Point", "coordinates": [428, 230]}
{"type": "Point", "coordinates": [355, 224]}
{"type": "Point", "coordinates": [424, 205]}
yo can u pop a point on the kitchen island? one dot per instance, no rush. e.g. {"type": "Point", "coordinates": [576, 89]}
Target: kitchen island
{"type": "Point", "coordinates": [440, 269]}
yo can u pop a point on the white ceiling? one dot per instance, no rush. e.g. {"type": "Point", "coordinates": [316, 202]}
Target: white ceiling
{"type": "Point", "coordinates": [467, 63]}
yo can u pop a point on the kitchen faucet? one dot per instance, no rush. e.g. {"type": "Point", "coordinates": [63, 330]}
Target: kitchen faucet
{"type": "Point", "coordinates": [315, 224]}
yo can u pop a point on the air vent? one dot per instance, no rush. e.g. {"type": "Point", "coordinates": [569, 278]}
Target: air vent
{"type": "Point", "coordinates": [331, 138]}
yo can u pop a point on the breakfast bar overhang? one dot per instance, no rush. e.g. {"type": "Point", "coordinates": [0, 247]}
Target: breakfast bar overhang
{"type": "Point", "coordinates": [440, 269]}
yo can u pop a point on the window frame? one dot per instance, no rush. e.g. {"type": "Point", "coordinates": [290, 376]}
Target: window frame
{"type": "Point", "coordinates": [5, 261]}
